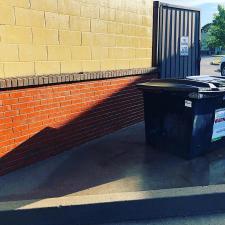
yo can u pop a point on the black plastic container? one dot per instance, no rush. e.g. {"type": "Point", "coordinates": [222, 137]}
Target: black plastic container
{"type": "Point", "coordinates": [185, 117]}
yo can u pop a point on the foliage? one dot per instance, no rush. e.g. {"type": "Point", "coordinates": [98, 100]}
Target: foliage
{"type": "Point", "coordinates": [216, 37]}
{"type": "Point", "coordinates": [206, 27]}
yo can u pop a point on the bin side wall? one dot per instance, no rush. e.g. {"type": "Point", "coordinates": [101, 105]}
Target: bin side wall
{"type": "Point", "coordinates": [38, 122]}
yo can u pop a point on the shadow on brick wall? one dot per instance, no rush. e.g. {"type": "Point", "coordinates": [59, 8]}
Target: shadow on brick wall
{"type": "Point", "coordinates": [119, 110]}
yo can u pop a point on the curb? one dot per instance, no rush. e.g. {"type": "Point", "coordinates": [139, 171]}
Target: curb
{"type": "Point", "coordinates": [98, 209]}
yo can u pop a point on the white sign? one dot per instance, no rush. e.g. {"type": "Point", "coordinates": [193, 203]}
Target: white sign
{"type": "Point", "coordinates": [219, 125]}
{"type": "Point", "coordinates": [184, 46]}
{"type": "Point", "coordinates": [188, 104]}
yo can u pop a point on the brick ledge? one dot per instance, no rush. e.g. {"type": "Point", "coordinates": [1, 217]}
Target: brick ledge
{"type": "Point", "coordinates": [19, 82]}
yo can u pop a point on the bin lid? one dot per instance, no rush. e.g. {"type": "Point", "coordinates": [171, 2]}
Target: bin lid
{"type": "Point", "coordinates": [198, 84]}
{"type": "Point", "coordinates": [218, 81]}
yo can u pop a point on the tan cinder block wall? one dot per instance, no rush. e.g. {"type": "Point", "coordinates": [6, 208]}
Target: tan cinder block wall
{"type": "Point", "coordinates": [64, 36]}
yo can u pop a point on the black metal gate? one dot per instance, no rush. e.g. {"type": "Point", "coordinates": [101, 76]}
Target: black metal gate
{"type": "Point", "coordinates": [176, 40]}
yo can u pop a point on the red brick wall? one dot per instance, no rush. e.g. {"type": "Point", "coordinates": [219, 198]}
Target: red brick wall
{"type": "Point", "coordinates": [36, 123]}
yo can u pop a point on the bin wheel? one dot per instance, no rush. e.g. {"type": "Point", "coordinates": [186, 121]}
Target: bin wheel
{"type": "Point", "coordinates": [223, 70]}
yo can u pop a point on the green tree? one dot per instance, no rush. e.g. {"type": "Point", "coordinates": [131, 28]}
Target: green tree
{"type": "Point", "coordinates": [216, 37]}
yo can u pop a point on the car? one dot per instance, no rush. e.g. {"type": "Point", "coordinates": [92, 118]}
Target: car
{"type": "Point", "coordinates": [222, 66]}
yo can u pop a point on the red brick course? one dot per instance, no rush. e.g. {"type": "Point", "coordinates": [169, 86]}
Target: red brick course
{"type": "Point", "coordinates": [39, 122]}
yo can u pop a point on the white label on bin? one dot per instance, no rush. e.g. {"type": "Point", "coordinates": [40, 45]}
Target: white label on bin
{"type": "Point", "coordinates": [188, 103]}
{"type": "Point", "coordinates": [219, 125]}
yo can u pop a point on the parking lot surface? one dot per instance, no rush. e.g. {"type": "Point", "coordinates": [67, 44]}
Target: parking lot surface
{"type": "Point", "coordinates": [207, 68]}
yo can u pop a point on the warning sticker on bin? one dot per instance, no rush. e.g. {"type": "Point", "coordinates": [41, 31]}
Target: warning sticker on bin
{"type": "Point", "coordinates": [219, 125]}
{"type": "Point", "coordinates": [188, 103]}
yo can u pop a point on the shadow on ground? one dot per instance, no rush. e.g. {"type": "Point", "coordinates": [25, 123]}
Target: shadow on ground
{"type": "Point", "coordinates": [120, 162]}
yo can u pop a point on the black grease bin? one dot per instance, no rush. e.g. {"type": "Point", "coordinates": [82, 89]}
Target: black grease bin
{"type": "Point", "coordinates": [185, 117]}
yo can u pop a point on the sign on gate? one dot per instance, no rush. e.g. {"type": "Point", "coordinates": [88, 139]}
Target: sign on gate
{"type": "Point", "coordinates": [184, 46]}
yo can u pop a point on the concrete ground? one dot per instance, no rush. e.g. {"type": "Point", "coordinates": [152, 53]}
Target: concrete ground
{"type": "Point", "coordinates": [207, 68]}
{"type": "Point", "coordinates": [117, 163]}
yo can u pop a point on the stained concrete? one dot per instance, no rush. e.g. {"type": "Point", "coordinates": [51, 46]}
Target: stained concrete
{"type": "Point", "coordinates": [117, 163]}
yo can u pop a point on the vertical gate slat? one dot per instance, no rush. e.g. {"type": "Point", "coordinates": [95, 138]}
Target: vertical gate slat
{"type": "Point", "coordinates": [190, 31]}
{"type": "Point", "coordinates": [173, 44]}
{"type": "Point", "coordinates": [178, 45]}
{"type": "Point", "coordinates": [194, 71]}
{"type": "Point", "coordinates": [163, 60]}
{"type": "Point", "coordinates": [185, 58]}
{"type": "Point", "coordinates": [196, 39]}
{"type": "Point", "coordinates": [181, 74]}
{"type": "Point", "coordinates": [168, 43]}
{"type": "Point", "coordinates": [160, 37]}
{"type": "Point", "coordinates": [198, 34]}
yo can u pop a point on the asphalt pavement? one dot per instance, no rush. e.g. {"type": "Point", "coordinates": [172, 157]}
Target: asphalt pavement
{"type": "Point", "coordinates": [207, 68]}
